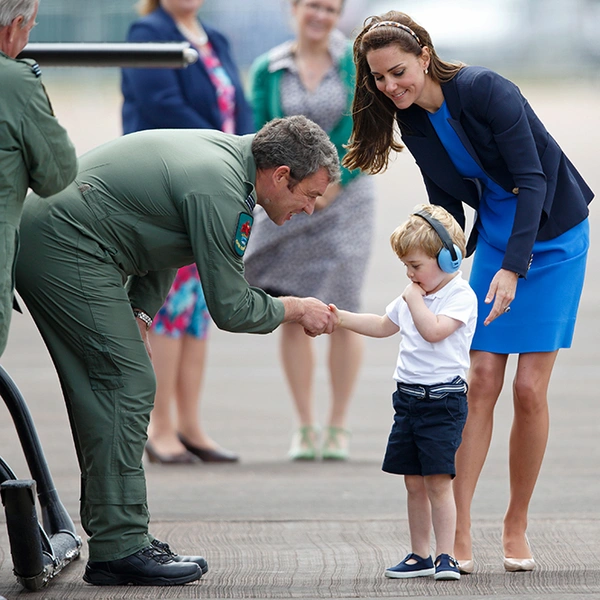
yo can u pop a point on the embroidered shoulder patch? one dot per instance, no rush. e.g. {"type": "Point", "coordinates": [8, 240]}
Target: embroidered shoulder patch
{"type": "Point", "coordinates": [250, 203]}
{"type": "Point", "coordinates": [36, 69]}
{"type": "Point", "coordinates": [242, 233]}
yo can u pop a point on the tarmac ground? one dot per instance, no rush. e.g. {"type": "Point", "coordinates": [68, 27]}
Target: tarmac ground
{"type": "Point", "coordinates": [275, 529]}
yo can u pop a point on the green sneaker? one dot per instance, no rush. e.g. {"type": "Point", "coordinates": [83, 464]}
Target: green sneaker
{"type": "Point", "coordinates": [304, 443]}
{"type": "Point", "coordinates": [337, 444]}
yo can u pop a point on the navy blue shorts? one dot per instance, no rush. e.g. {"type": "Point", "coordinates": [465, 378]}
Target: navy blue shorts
{"type": "Point", "coordinates": [427, 429]}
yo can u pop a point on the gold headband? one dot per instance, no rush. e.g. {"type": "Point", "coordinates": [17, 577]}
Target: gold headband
{"type": "Point", "coordinates": [396, 24]}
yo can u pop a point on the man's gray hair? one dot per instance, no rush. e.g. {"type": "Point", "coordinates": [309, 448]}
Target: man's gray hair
{"type": "Point", "coordinates": [11, 9]}
{"type": "Point", "coordinates": [298, 143]}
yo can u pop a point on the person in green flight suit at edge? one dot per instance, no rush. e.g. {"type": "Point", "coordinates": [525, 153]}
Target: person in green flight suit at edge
{"type": "Point", "coordinates": [35, 150]}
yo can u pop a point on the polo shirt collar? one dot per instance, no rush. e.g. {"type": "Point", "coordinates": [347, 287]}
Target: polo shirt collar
{"type": "Point", "coordinates": [282, 56]}
{"type": "Point", "coordinates": [443, 292]}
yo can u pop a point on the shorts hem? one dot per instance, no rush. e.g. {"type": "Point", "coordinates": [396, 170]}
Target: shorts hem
{"type": "Point", "coordinates": [445, 471]}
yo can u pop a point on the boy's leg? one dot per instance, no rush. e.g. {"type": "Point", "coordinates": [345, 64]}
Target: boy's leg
{"type": "Point", "coordinates": [441, 424]}
{"type": "Point", "coordinates": [419, 515]}
{"type": "Point", "coordinates": [443, 511]}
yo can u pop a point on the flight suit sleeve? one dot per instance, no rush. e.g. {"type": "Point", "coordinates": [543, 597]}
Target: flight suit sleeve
{"type": "Point", "coordinates": [149, 292]}
{"type": "Point", "coordinates": [219, 228]}
{"type": "Point", "coordinates": [47, 150]}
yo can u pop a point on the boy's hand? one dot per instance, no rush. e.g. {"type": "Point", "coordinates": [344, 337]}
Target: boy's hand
{"type": "Point", "coordinates": [413, 290]}
{"type": "Point", "coordinates": [335, 313]}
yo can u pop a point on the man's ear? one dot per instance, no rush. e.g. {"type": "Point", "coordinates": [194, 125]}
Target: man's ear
{"type": "Point", "coordinates": [281, 175]}
{"type": "Point", "coordinates": [14, 26]}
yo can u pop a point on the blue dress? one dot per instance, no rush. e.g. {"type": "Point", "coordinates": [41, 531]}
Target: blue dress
{"type": "Point", "coordinates": [544, 310]}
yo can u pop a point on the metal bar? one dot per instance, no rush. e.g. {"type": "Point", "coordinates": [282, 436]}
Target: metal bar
{"type": "Point", "coordinates": [168, 55]}
{"type": "Point", "coordinates": [37, 557]}
{"type": "Point", "coordinates": [18, 498]}
{"type": "Point", "coordinates": [39, 554]}
{"type": "Point", "coordinates": [54, 515]}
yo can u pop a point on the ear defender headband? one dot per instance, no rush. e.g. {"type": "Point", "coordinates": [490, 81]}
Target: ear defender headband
{"type": "Point", "coordinates": [450, 256]}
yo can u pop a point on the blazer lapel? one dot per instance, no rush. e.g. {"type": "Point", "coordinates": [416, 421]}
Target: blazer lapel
{"type": "Point", "coordinates": [455, 108]}
{"type": "Point", "coordinates": [421, 139]}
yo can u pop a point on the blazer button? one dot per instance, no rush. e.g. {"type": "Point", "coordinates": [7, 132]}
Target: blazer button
{"type": "Point", "coordinates": [515, 191]}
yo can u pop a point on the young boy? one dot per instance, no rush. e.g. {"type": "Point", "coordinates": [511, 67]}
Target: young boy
{"type": "Point", "coordinates": [436, 316]}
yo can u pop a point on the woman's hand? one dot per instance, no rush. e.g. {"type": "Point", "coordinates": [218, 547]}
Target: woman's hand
{"type": "Point", "coordinates": [502, 292]}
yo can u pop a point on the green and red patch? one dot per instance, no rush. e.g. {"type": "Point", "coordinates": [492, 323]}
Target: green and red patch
{"type": "Point", "coordinates": [242, 233]}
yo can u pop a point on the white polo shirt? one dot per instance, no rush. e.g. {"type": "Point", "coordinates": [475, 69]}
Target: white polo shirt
{"type": "Point", "coordinates": [429, 363]}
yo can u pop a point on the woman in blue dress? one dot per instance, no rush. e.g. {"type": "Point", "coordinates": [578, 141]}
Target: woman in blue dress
{"type": "Point", "coordinates": [477, 142]}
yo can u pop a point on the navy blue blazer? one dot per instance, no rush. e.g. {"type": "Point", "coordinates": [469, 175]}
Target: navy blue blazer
{"type": "Point", "coordinates": [178, 98]}
{"type": "Point", "coordinates": [509, 142]}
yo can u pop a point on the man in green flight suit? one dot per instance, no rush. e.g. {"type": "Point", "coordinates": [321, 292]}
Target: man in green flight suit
{"type": "Point", "coordinates": [35, 151]}
{"type": "Point", "coordinates": [106, 249]}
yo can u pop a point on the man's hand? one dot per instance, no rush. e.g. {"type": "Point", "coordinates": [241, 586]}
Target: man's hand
{"type": "Point", "coordinates": [144, 333]}
{"type": "Point", "coordinates": [317, 317]}
{"type": "Point", "coordinates": [312, 314]}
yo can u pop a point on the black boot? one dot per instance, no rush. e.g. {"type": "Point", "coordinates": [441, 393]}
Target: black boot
{"type": "Point", "coordinates": [164, 547]}
{"type": "Point", "coordinates": [148, 566]}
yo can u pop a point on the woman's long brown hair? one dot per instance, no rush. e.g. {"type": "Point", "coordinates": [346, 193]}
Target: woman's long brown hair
{"type": "Point", "coordinates": [373, 131]}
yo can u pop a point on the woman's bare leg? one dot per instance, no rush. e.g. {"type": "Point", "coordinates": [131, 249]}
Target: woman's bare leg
{"type": "Point", "coordinates": [486, 377]}
{"type": "Point", "coordinates": [189, 386]}
{"type": "Point", "coordinates": [299, 364]}
{"type": "Point", "coordinates": [162, 433]}
{"type": "Point", "coordinates": [528, 439]}
{"type": "Point", "coordinates": [345, 356]}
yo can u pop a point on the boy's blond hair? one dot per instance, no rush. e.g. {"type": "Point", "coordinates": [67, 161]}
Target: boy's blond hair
{"type": "Point", "coordinates": [417, 234]}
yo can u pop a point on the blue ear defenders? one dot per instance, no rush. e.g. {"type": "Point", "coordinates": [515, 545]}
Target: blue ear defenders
{"type": "Point", "coordinates": [450, 256]}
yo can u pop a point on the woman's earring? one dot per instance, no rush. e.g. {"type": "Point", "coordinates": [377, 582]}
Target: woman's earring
{"type": "Point", "coordinates": [426, 71]}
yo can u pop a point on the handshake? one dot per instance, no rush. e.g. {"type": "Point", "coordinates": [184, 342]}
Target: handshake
{"type": "Point", "coordinates": [315, 316]}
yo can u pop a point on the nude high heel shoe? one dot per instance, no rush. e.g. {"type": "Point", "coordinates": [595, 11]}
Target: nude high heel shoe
{"type": "Point", "coordinates": [519, 564]}
{"type": "Point", "coordinates": [466, 566]}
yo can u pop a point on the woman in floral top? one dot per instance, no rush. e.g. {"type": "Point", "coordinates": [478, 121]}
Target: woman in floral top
{"type": "Point", "coordinates": [205, 95]}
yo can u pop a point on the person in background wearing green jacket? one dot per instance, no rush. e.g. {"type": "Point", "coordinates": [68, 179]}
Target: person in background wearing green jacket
{"type": "Point", "coordinates": [35, 151]}
{"type": "Point", "coordinates": [98, 260]}
{"type": "Point", "coordinates": [325, 256]}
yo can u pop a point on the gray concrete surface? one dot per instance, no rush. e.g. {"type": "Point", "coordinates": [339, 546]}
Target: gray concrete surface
{"type": "Point", "coordinates": [272, 529]}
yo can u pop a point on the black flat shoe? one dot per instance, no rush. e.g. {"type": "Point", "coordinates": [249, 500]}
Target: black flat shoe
{"type": "Point", "coordinates": [164, 547]}
{"type": "Point", "coordinates": [183, 458]}
{"type": "Point", "coordinates": [210, 454]}
{"type": "Point", "coordinates": [148, 566]}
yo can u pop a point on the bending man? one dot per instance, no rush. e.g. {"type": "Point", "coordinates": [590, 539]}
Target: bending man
{"type": "Point", "coordinates": [105, 251]}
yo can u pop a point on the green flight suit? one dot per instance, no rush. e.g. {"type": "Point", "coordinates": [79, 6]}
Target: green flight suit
{"type": "Point", "coordinates": [141, 206]}
{"type": "Point", "coordinates": [35, 152]}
